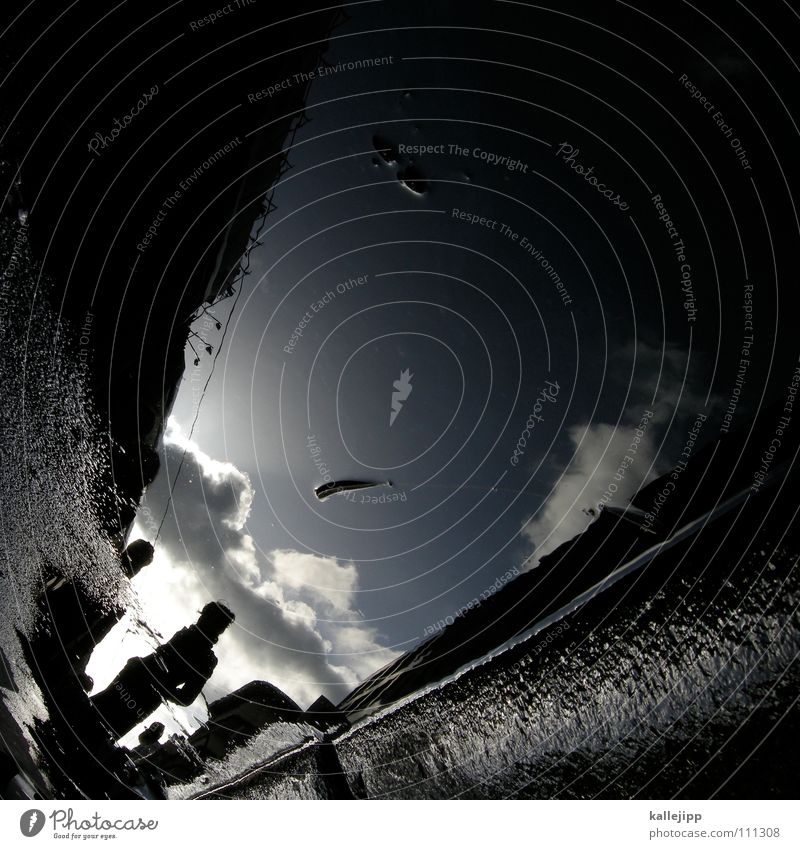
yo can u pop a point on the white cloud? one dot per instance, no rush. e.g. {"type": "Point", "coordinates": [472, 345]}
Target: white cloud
{"type": "Point", "coordinates": [599, 451]}
{"type": "Point", "coordinates": [296, 625]}
{"type": "Point", "coordinates": [322, 578]}
{"type": "Point", "coordinates": [659, 383]}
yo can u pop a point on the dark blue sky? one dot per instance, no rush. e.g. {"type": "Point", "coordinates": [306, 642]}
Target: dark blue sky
{"type": "Point", "coordinates": [485, 284]}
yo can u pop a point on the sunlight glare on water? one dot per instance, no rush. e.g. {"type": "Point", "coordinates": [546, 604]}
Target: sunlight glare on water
{"type": "Point", "coordinates": [52, 459]}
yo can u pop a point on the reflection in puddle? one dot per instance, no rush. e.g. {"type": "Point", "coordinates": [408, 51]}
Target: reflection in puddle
{"type": "Point", "coordinates": [508, 513]}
